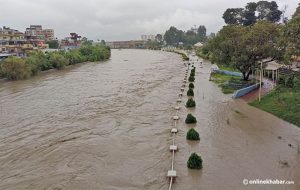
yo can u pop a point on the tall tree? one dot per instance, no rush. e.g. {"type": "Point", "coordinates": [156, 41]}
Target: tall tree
{"type": "Point", "coordinates": [292, 37]}
{"type": "Point", "coordinates": [297, 13]}
{"type": "Point", "coordinates": [245, 47]}
{"type": "Point", "coordinates": [252, 13]}
{"type": "Point", "coordinates": [173, 36]}
{"type": "Point", "coordinates": [201, 33]}
{"type": "Point", "coordinates": [249, 14]}
{"type": "Point", "coordinates": [268, 11]}
{"type": "Point", "coordinates": [233, 16]}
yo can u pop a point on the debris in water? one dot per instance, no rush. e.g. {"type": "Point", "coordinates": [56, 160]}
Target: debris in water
{"type": "Point", "coordinates": [284, 163]}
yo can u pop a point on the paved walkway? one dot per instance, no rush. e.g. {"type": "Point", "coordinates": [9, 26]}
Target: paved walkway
{"type": "Point", "coordinates": [267, 87]}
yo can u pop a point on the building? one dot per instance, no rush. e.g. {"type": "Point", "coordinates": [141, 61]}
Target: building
{"type": "Point", "coordinates": [148, 37]}
{"type": "Point", "coordinates": [13, 42]}
{"type": "Point", "coordinates": [38, 36]}
{"type": "Point", "coordinates": [71, 42]}
{"type": "Point", "coordinates": [49, 34]}
{"type": "Point", "coordinates": [36, 32]}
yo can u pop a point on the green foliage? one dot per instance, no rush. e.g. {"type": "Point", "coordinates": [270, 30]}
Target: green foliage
{"type": "Point", "coordinates": [58, 61]}
{"type": "Point", "coordinates": [173, 36]}
{"type": "Point", "coordinates": [190, 103]}
{"type": "Point", "coordinates": [95, 53]}
{"type": "Point", "coordinates": [195, 162]}
{"type": "Point", "coordinates": [190, 92]}
{"type": "Point", "coordinates": [153, 44]}
{"type": "Point", "coordinates": [15, 68]}
{"type": "Point", "coordinates": [191, 79]}
{"type": "Point", "coordinates": [297, 12]}
{"type": "Point", "coordinates": [192, 74]}
{"type": "Point", "coordinates": [53, 44]}
{"type": "Point", "coordinates": [283, 102]}
{"type": "Point", "coordinates": [245, 47]}
{"type": "Point", "coordinates": [291, 36]}
{"type": "Point", "coordinates": [230, 84]}
{"type": "Point", "coordinates": [192, 135]}
{"type": "Point", "coordinates": [267, 11]}
{"type": "Point", "coordinates": [190, 119]}
{"type": "Point", "coordinates": [39, 61]}
{"type": "Point", "coordinates": [191, 85]}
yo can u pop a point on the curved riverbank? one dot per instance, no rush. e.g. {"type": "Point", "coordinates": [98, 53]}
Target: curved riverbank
{"type": "Point", "coordinates": [107, 126]}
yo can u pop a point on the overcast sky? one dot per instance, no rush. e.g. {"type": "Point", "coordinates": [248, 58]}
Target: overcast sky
{"type": "Point", "coordinates": [119, 19]}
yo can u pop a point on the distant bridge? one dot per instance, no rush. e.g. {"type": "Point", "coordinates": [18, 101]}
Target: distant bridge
{"type": "Point", "coordinates": [132, 44]}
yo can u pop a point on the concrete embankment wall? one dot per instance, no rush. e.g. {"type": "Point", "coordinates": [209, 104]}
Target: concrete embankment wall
{"type": "Point", "coordinates": [244, 91]}
{"type": "Point", "coordinates": [241, 92]}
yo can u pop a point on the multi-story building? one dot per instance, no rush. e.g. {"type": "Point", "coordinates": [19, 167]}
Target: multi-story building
{"type": "Point", "coordinates": [13, 41]}
{"type": "Point", "coordinates": [71, 42]}
{"type": "Point", "coordinates": [49, 34]}
{"type": "Point", "coordinates": [38, 36]}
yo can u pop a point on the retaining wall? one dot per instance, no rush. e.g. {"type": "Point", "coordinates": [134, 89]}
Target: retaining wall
{"type": "Point", "coordinates": [244, 91]}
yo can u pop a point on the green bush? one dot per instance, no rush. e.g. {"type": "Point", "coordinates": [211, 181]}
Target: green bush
{"type": "Point", "coordinates": [191, 85]}
{"type": "Point", "coordinates": [58, 61]}
{"type": "Point", "coordinates": [190, 92]}
{"type": "Point", "coordinates": [34, 65]}
{"type": "Point", "coordinates": [192, 135]}
{"type": "Point", "coordinates": [38, 61]}
{"type": "Point", "coordinates": [195, 162]}
{"type": "Point", "coordinates": [15, 68]}
{"type": "Point", "coordinates": [190, 119]}
{"type": "Point", "coordinates": [190, 103]}
{"type": "Point", "coordinates": [192, 74]}
{"type": "Point", "coordinates": [191, 79]}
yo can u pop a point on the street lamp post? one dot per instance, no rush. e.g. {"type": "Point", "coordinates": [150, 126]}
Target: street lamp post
{"type": "Point", "coordinates": [260, 82]}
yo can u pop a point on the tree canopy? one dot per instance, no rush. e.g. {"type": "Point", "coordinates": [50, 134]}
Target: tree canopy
{"type": "Point", "coordinates": [297, 13]}
{"type": "Point", "coordinates": [252, 13]}
{"type": "Point", "coordinates": [173, 36]}
{"type": "Point", "coordinates": [245, 47]}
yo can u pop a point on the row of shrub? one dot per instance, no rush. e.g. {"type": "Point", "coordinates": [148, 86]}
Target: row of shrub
{"type": "Point", "coordinates": [15, 68]}
{"type": "Point", "coordinates": [194, 161]}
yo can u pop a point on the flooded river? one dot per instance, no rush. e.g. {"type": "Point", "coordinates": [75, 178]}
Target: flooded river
{"type": "Point", "coordinates": [106, 126]}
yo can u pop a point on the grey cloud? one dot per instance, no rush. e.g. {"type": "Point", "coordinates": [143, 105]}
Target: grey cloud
{"type": "Point", "coordinates": [119, 19]}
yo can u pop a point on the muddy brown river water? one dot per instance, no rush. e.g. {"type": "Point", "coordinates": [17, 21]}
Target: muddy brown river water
{"type": "Point", "coordinates": [106, 126]}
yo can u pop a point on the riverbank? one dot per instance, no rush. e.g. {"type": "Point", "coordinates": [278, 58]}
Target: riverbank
{"type": "Point", "coordinates": [282, 102]}
{"type": "Point", "coordinates": [183, 55]}
{"type": "Point", "coordinates": [16, 68]}
{"type": "Point", "coordinates": [239, 135]}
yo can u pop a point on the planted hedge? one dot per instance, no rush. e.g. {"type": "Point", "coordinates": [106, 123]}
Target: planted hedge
{"type": "Point", "coordinates": [190, 119]}
{"type": "Point", "coordinates": [191, 85]}
{"type": "Point", "coordinates": [190, 92]}
{"type": "Point", "coordinates": [192, 135]}
{"type": "Point", "coordinates": [195, 162]}
{"type": "Point", "coordinates": [190, 103]}
{"type": "Point", "coordinates": [191, 79]}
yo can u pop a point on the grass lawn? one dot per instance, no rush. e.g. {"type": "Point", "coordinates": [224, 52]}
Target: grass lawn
{"type": "Point", "coordinates": [227, 68]}
{"type": "Point", "coordinates": [229, 84]}
{"type": "Point", "coordinates": [282, 102]}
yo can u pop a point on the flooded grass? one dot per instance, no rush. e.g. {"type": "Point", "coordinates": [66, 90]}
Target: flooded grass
{"type": "Point", "coordinates": [228, 83]}
{"type": "Point", "coordinates": [282, 102]}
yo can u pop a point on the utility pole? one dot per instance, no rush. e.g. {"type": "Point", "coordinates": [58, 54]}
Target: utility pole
{"type": "Point", "coordinates": [260, 82]}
